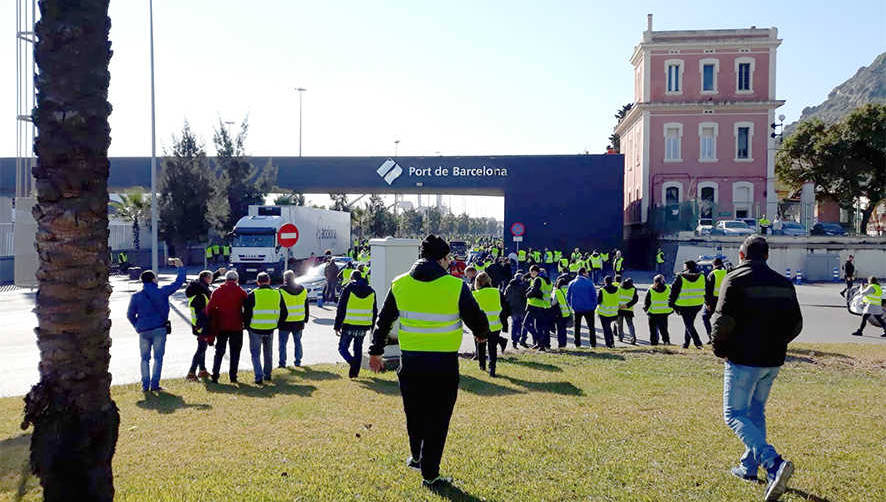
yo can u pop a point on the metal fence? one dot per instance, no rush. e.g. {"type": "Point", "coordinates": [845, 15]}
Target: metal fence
{"type": "Point", "coordinates": [120, 236]}
{"type": "Point", "coordinates": [6, 240]}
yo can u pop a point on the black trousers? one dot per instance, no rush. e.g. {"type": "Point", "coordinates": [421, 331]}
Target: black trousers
{"type": "Point", "coordinates": [688, 314]}
{"type": "Point", "coordinates": [429, 391]}
{"type": "Point", "coordinates": [492, 342]}
{"type": "Point", "coordinates": [658, 324]}
{"type": "Point", "coordinates": [199, 359]}
{"type": "Point", "coordinates": [589, 320]}
{"type": "Point", "coordinates": [864, 321]}
{"type": "Point", "coordinates": [235, 339]}
{"type": "Point", "coordinates": [606, 324]}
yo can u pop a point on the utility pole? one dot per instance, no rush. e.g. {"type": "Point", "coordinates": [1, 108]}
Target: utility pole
{"type": "Point", "coordinates": [300, 91]}
{"type": "Point", "coordinates": [154, 202]}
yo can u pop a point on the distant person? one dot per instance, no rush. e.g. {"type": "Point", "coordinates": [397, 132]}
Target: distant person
{"type": "Point", "coordinates": [712, 294]}
{"type": "Point", "coordinates": [149, 314]}
{"type": "Point", "coordinates": [226, 318]}
{"type": "Point", "coordinates": [657, 309]}
{"type": "Point", "coordinates": [295, 297]}
{"type": "Point", "coordinates": [198, 294]}
{"type": "Point", "coordinates": [848, 275]}
{"type": "Point", "coordinates": [873, 305]}
{"type": "Point", "coordinates": [560, 310]}
{"type": "Point", "coordinates": [687, 298]}
{"type": "Point", "coordinates": [491, 301]}
{"type": "Point", "coordinates": [262, 311]}
{"type": "Point", "coordinates": [627, 298]}
{"type": "Point", "coordinates": [756, 318]}
{"type": "Point", "coordinates": [470, 275]}
{"type": "Point", "coordinates": [581, 294]}
{"type": "Point", "coordinates": [356, 314]}
{"type": "Point", "coordinates": [330, 271]}
{"type": "Point", "coordinates": [608, 300]}
{"type": "Point", "coordinates": [538, 317]}
{"type": "Point", "coordinates": [515, 297]}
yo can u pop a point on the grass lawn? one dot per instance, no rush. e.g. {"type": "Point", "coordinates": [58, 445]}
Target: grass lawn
{"type": "Point", "coordinates": [624, 424]}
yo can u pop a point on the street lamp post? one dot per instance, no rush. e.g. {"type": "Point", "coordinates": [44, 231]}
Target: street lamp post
{"type": "Point", "coordinates": [396, 147]}
{"type": "Point", "coordinates": [300, 91]}
{"type": "Point", "coordinates": [154, 204]}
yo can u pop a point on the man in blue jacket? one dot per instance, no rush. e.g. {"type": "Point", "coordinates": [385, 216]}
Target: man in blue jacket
{"type": "Point", "coordinates": [148, 313]}
{"type": "Point", "coordinates": [581, 295]}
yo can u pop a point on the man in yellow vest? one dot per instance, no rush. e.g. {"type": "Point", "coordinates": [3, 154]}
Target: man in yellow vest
{"type": "Point", "coordinates": [262, 311]}
{"type": "Point", "coordinates": [491, 301]}
{"type": "Point", "coordinates": [712, 294]}
{"type": "Point", "coordinates": [561, 311]}
{"type": "Point", "coordinates": [123, 260]}
{"type": "Point", "coordinates": [627, 298]}
{"type": "Point", "coordinates": [431, 305]}
{"type": "Point", "coordinates": [354, 317]}
{"type": "Point", "coordinates": [873, 305]}
{"type": "Point", "coordinates": [198, 294]}
{"type": "Point", "coordinates": [538, 304]}
{"type": "Point", "coordinates": [295, 298]}
{"type": "Point", "coordinates": [608, 301]}
{"type": "Point", "coordinates": [596, 266]}
{"type": "Point", "coordinates": [687, 298]}
{"type": "Point", "coordinates": [657, 309]}
{"type": "Point", "coordinates": [659, 262]}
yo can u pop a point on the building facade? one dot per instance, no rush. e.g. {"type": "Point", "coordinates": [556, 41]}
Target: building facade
{"type": "Point", "coordinates": [699, 129]}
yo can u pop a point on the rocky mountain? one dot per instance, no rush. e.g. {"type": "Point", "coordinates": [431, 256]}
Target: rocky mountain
{"type": "Point", "coordinates": [868, 85]}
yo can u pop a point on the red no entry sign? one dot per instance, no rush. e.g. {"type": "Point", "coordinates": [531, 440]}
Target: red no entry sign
{"type": "Point", "coordinates": [287, 236]}
{"type": "Point", "coordinates": [518, 229]}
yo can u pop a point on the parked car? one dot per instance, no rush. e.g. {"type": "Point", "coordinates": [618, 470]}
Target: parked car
{"type": "Point", "coordinates": [792, 229]}
{"type": "Point", "coordinates": [732, 227]}
{"type": "Point", "coordinates": [703, 229]}
{"type": "Point", "coordinates": [706, 263]}
{"type": "Point", "coordinates": [750, 222]}
{"type": "Point", "coordinates": [828, 229]}
{"type": "Point", "coordinates": [314, 281]}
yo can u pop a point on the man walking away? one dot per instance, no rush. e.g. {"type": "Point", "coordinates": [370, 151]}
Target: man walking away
{"type": "Point", "coordinates": [295, 297]}
{"type": "Point", "coordinates": [627, 298]}
{"type": "Point", "coordinates": [581, 295]}
{"type": "Point", "coordinates": [330, 271]}
{"type": "Point", "coordinates": [560, 311]}
{"type": "Point", "coordinates": [848, 275]}
{"type": "Point", "coordinates": [596, 267]}
{"type": "Point", "coordinates": [687, 298]}
{"type": "Point", "coordinates": [659, 262]}
{"type": "Point", "coordinates": [491, 301]}
{"type": "Point", "coordinates": [198, 294]}
{"type": "Point", "coordinates": [757, 316]}
{"type": "Point", "coordinates": [355, 315]}
{"type": "Point", "coordinates": [712, 294]}
{"type": "Point", "coordinates": [538, 300]}
{"type": "Point", "coordinates": [431, 306]}
{"type": "Point", "coordinates": [226, 318]}
{"type": "Point", "coordinates": [515, 297]}
{"type": "Point", "coordinates": [873, 305]}
{"type": "Point", "coordinates": [657, 309]}
{"type": "Point", "coordinates": [262, 311]}
{"type": "Point", "coordinates": [149, 314]}
{"type": "Point", "coordinates": [607, 308]}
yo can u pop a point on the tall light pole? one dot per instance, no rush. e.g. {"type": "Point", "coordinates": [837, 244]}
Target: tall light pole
{"type": "Point", "coordinates": [396, 146]}
{"type": "Point", "coordinates": [300, 91]}
{"type": "Point", "coordinates": [154, 203]}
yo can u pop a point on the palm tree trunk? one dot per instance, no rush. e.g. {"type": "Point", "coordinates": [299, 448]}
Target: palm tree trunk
{"type": "Point", "coordinates": [75, 421]}
{"type": "Point", "coordinates": [136, 241]}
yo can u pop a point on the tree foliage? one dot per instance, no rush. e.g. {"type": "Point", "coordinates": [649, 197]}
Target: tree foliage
{"type": "Point", "coordinates": [135, 208]}
{"type": "Point", "coordinates": [845, 160]}
{"type": "Point", "coordinates": [290, 199]}
{"type": "Point", "coordinates": [614, 138]}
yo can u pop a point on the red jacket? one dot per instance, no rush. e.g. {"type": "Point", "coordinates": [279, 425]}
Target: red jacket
{"type": "Point", "coordinates": [225, 308]}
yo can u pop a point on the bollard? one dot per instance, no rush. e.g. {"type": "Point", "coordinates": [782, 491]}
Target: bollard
{"type": "Point", "coordinates": [798, 278]}
{"type": "Point", "coordinates": [836, 276]}
{"type": "Point", "coordinates": [788, 273]}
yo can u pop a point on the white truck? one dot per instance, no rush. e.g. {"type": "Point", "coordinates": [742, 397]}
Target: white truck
{"type": "Point", "coordinates": [255, 247]}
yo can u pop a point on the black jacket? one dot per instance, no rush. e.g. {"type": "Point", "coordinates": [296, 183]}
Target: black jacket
{"type": "Point", "coordinates": [535, 287]}
{"type": "Point", "coordinates": [849, 269]}
{"type": "Point", "coordinates": [294, 325]}
{"type": "Point", "coordinates": [495, 273]}
{"type": "Point", "coordinates": [195, 288]}
{"type": "Point", "coordinates": [757, 316]}
{"type": "Point", "coordinates": [677, 286]}
{"type": "Point", "coordinates": [470, 313]}
{"type": "Point", "coordinates": [359, 288]}
{"type": "Point", "coordinates": [515, 296]}
{"type": "Point", "coordinates": [249, 306]}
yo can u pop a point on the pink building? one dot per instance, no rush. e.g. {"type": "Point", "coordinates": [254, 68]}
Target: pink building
{"type": "Point", "coordinates": [699, 129]}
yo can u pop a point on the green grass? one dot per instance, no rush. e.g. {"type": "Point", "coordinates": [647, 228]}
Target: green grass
{"type": "Point", "coordinates": [627, 424]}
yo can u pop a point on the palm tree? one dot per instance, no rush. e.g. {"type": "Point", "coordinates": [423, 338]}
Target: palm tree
{"type": "Point", "coordinates": [75, 421]}
{"type": "Point", "coordinates": [133, 207]}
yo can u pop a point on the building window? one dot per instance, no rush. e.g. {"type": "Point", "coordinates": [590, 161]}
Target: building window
{"type": "Point", "coordinates": [744, 75]}
{"type": "Point", "coordinates": [708, 69]}
{"type": "Point", "coordinates": [674, 73]}
{"type": "Point", "coordinates": [742, 198]}
{"type": "Point", "coordinates": [707, 139]}
{"type": "Point", "coordinates": [744, 132]}
{"type": "Point", "coordinates": [673, 134]}
{"type": "Point", "coordinates": [671, 193]}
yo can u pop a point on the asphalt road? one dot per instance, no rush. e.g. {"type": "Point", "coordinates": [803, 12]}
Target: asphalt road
{"type": "Point", "coordinates": [825, 320]}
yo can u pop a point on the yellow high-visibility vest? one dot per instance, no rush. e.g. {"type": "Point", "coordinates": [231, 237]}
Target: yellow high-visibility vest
{"type": "Point", "coordinates": [609, 306]}
{"type": "Point", "coordinates": [658, 301]}
{"type": "Point", "coordinates": [295, 305]}
{"type": "Point", "coordinates": [489, 300]}
{"type": "Point", "coordinates": [358, 311]}
{"type": "Point", "coordinates": [429, 318]}
{"type": "Point", "coordinates": [691, 292]}
{"type": "Point", "coordinates": [194, 311]}
{"type": "Point", "coordinates": [718, 274]}
{"type": "Point", "coordinates": [266, 313]}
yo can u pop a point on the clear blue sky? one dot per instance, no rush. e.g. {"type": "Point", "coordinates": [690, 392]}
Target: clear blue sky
{"type": "Point", "coordinates": [456, 77]}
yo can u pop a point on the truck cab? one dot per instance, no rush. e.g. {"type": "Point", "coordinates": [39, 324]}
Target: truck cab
{"type": "Point", "coordinates": [254, 248]}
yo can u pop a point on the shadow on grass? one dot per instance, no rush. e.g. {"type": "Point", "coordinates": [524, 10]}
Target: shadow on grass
{"type": "Point", "coordinates": [562, 388]}
{"type": "Point", "coordinates": [808, 352]}
{"type": "Point", "coordinates": [807, 496]}
{"type": "Point", "coordinates": [386, 387]}
{"type": "Point", "coordinates": [454, 493]}
{"type": "Point", "coordinates": [308, 373]}
{"type": "Point", "coordinates": [484, 388]}
{"type": "Point", "coordinates": [163, 402]}
{"type": "Point", "coordinates": [15, 470]}
{"type": "Point", "coordinates": [278, 386]}
{"type": "Point", "coordinates": [531, 364]}
{"type": "Point", "coordinates": [593, 354]}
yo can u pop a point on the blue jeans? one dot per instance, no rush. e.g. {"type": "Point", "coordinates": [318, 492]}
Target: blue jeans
{"type": "Point", "coordinates": [745, 390]}
{"type": "Point", "coordinates": [261, 345]}
{"type": "Point", "coordinates": [517, 328]}
{"type": "Point", "coordinates": [596, 275]}
{"type": "Point", "coordinates": [152, 340]}
{"type": "Point", "coordinates": [283, 339]}
{"type": "Point", "coordinates": [344, 344]}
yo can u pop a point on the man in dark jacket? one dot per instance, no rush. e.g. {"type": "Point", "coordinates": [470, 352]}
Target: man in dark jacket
{"type": "Point", "coordinates": [687, 298]}
{"type": "Point", "coordinates": [428, 371]}
{"type": "Point", "coordinates": [294, 322]}
{"type": "Point", "coordinates": [198, 294]}
{"type": "Point", "coordinates": [495, 273]}
{"type": "Point", "coordinates": [353, 320]}
{"type": "Point", "coordinates": [331, 272]}
{"type": "Point", "coordinates": [515, 297]}
{"type": "Point", "coordinates": [848, 274]}
{"type": "Point", "coordinates": [757, 316]}
{"type": "Point", "coordinates": [225, 312]}
{"type": "Point", "coordinates": [261, 322]}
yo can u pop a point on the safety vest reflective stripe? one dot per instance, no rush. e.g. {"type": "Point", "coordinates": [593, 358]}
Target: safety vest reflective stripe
{"type": "Point", "coordinates": [565, 311]}
{"type": "Point", "coordinates": [618, 263]}
{"type": "Point", "coordinates": [295, 305]}
{"type": "Point", "coordinates": [266, 313]}
{"type": "Point", "coordinates": [875, 297]}
{"type": "Point", "coordinates": [658, 301]}
{"type": "Point", "coordinates": [489, 300]}
{"type": "Point", "coordinates": [596, 262]}
{"type": "Point", "coordinates": [625, 296]}
{"type": "Point", "coordinates": [691, 293]}
{"type": "Point", "coordinates": [429, 320]}
{"type": "Point", "coordinates": [609, 306]}
{"type": "Point", "coordinates": [358, 311]}
{"type": "Point", "coordinates": [719, 274]}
